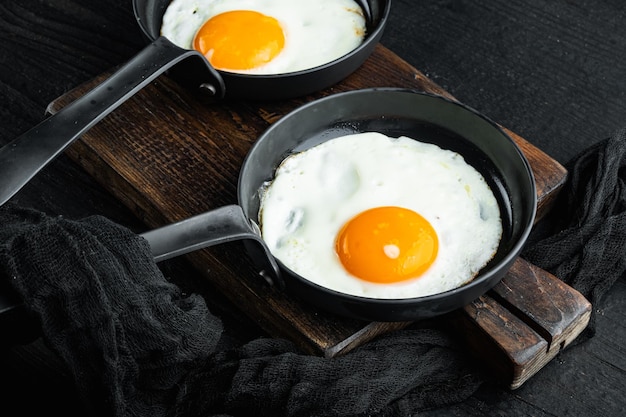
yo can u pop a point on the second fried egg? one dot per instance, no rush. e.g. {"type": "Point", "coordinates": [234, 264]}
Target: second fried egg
{"type": "Point", "coordinates": [381, 217]}
{"type": "Point", "coordinates": [266, 36]}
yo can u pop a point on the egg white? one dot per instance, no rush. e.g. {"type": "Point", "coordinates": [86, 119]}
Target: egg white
{"type": "Point", "coordinates": [316, 191]}
{"type": "Point", "coordinates": [316, 32]}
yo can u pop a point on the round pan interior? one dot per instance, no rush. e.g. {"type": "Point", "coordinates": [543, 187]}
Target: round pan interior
{"type": "Point", "coordinates": [424, 117]}
{"type": "Point", "coordinates": [149, 15]}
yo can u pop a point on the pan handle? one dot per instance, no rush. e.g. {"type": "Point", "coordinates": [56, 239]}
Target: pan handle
{"type": "Point", "coordinates": [25, 156]}
{"type": "Point", "coordinates": [222, 225]}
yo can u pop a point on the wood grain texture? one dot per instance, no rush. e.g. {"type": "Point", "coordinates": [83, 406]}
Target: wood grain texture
{"type": "Point", "coordinates": [530, 316]}
{"type": "Point", "coordinates": [168, 154]}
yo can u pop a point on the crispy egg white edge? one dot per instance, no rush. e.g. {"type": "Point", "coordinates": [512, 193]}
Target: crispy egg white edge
{"type": "Point", "coordinates": [316, 32]}
{"type": "Point", "coordinates": [288, 203]}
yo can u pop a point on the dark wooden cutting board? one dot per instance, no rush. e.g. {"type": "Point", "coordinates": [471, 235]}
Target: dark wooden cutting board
{"type": "Point", "coordinates": [169, 155]}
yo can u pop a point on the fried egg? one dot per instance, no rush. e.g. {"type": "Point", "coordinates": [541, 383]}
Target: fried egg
{"type": "Point", "coordinates": [265, 36]}
{"type": "Point", "coordinates": [380, 217]}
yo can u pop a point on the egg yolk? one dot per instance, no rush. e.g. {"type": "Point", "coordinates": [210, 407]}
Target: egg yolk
{"type": "Point", "coordinates": [239, 39]}
{"type": "Point", "coordinates": [387, 245]}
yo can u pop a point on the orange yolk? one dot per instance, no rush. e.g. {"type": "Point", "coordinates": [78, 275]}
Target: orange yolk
{"type": "Point", "coordinates": [239, 40]}
{"type": "Point", "coordinates": [387, 245]}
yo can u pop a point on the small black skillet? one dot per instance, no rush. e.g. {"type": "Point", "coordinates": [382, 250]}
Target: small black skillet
{"type": "Point", "coordinates": [394, 112]}
{"type": "Point", "coordinates": [25, 156]}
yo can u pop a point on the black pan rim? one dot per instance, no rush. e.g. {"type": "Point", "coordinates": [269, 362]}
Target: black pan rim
{"type": "Point", "coordinates": [371, 37]}
{"type": "Point", "coordinates": [483, 277]}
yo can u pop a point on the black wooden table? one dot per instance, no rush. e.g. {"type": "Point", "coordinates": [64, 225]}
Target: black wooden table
{"type": "Point", "coordinates": [552, 72]}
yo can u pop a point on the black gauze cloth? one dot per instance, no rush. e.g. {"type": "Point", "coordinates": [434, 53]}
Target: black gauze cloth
{"type": "Point", "coordinates": [136, 346]}
{"type": "Point", "coordinates": [585, 242]}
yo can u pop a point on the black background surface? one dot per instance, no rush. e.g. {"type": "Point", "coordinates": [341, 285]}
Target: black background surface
{"type": "Point", "coordinates": [553, 72]}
